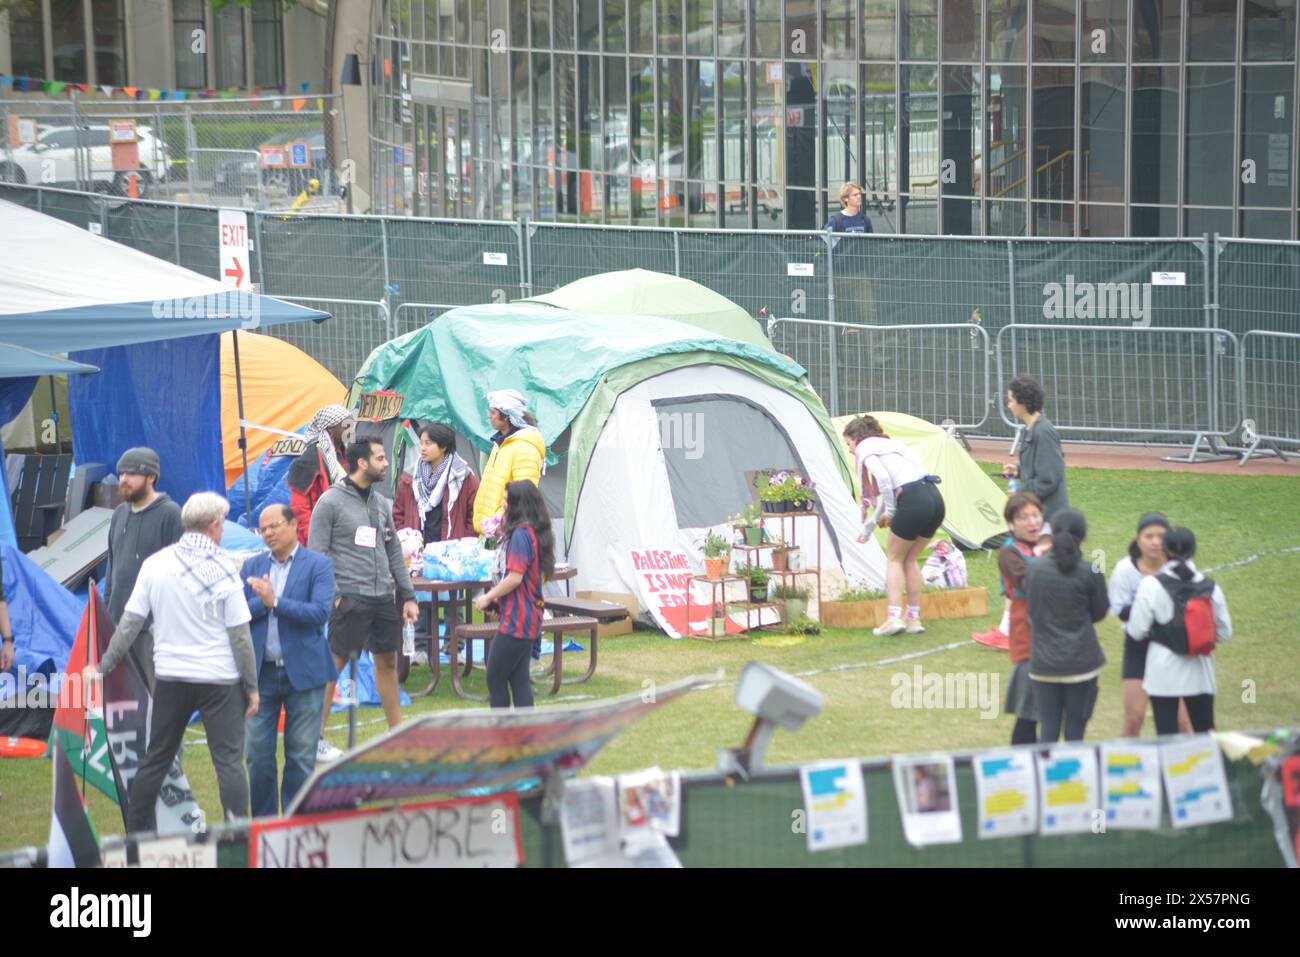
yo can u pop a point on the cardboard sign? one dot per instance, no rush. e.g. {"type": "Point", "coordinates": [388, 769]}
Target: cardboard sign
{"type": "Point", "coordinates": [293, 445]}
{"type": "Point", "coordinates": [469, 832]}
{"type": "Point", "coordinates": [272, 157]}
{"type": "Point", "coordinates": [377, 406]}
{"type": "Point", "coordinates": [167, 852]}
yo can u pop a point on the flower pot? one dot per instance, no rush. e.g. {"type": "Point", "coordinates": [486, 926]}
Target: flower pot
{"type": "Point", "coordinates": [758, 593]}
{"type": "Point", "coordinates": [716, 567]}
{"type": "Point", "coordinates": [799, 506]}
{"type": "Point", "coordinates": [786, 507]}
{"type": "Point", "coordinates": [769, 506]}
{"type": "Point", "coordinates": [779, 561]}
{"type": "Point", "coordinates": [717, 627]}
{"type": "Point", "coordinates": [794, 607]}
{"type": "Point", "coordinates": [754, 536]}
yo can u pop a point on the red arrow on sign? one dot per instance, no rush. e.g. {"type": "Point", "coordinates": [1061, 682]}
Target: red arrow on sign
{"type": "Point", "coordinates": [237, 272]}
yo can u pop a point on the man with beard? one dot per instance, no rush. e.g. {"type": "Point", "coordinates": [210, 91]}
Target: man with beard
{"type": "Point", "coordinates": [354, 527]}
{"type": "Point", "coordinates": [321, 464]}
{"type": "Point", "coordinates": [146, 522]}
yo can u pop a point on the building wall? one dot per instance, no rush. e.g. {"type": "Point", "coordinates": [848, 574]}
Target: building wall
{"type": "Point", "coordinates": [996, 117]}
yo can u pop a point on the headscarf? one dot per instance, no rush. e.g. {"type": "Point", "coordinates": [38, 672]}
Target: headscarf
{"type": "Point", "coordinates": [511, 404]}
{"type": "Point", "coordinates": [321, 423]}
{"type": "Point", "coordinates": [205, 572]}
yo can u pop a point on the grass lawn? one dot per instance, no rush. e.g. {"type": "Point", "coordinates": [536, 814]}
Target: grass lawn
{"type": "Point", "coordinates": [1234, 517]}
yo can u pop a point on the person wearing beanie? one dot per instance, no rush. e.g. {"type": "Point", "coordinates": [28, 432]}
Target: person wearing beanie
{"type": "Point", "coordinates": [146, 522]}
{"type": "Point", "coordinates": [1146, 556]}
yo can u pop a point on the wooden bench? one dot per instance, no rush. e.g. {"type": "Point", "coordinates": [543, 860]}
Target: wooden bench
{"type": "Point", "coordinates": [556, 627]}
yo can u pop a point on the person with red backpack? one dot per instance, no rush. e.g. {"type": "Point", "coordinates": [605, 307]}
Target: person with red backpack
{"type": "Point", "coordinates": [1183, 615]}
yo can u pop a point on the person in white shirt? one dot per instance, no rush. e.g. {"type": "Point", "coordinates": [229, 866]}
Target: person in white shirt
{"type": "Point", "coordinates": [202, 655]}
{"type": "Point", "coordinates": [1171, 676]}
{"type": "Point", "coordinates": [1146, 557]}
{"type": "Point", "coordinates": [896, 494]}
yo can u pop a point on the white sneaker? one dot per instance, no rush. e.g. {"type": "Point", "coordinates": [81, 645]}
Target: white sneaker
{"type": "Point", "coordinates": [891, 626]}
{"type": "Point", "coordinates": [913, 626]}
{"type": "Point", "coordinates": [327, 752]}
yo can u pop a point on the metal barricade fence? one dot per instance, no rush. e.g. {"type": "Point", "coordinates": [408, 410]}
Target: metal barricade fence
{"type": "Point", "coordinates": [1180, 379]}
{"type": "Point", "coordinates": [1270, 386]}
{"type": "Point", "coordinates": [1128, 380]}
{"type": "Point", "coordinates": [342, 343]}
{"type": "Point", "coordinates": [937, 371]}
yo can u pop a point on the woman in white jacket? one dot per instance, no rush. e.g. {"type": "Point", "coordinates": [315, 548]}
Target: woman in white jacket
{"type": "Point", "coordinates": [1171, 676]}
{"type": "Point", "coordinates": [896, 494]}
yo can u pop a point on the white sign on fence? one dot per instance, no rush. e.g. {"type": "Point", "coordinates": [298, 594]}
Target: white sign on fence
{"type": "Point", "coordinates": [471, 832]}
{"type": "Point", "coordinates": [1169, 279]}
{"type": "Point", "coordinates": [496, 259]}
{"type": "Point", "coordinates": [799, 269]}
{"type": "Point", "coordinates": [232, 243]}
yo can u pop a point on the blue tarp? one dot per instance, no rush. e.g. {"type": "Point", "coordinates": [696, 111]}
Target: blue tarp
{"type": "Point", "coordinates": [166, 395]}
{"type": "Point", "coordinates": [44, 615]}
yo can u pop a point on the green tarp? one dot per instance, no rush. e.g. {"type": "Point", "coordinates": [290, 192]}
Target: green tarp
{"type": "Point", "coordinates": [553, 357]}
{"type": "Point", "coordinates": [649, 293]}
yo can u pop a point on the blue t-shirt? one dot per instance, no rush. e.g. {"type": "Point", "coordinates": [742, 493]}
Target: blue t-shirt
{"type": "Point", "coordinates": [521, 610]}
{"type": "Point", "coordinates": [843, 223]}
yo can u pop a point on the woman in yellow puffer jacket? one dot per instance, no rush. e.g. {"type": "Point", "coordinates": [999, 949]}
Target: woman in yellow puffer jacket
{"type": "Point", "coordinates": [518, 451]}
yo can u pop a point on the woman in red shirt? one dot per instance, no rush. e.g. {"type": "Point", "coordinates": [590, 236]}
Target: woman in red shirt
{"type": "Point", "coordinates": [1024, 515]}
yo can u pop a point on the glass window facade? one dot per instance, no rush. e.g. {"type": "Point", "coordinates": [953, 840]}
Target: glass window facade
{"type": "Point", "coordinates": [958, 117]}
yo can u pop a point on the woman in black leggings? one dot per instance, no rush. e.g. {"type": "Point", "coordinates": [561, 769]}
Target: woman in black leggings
{"type": "Point", "coordinates": [1066, 598]}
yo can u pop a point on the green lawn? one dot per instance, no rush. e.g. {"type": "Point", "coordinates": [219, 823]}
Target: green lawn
{"type": "Point", "coordinates": [1234, 517]}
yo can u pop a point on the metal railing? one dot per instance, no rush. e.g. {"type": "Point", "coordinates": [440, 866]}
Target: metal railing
{"type": "Point", "coordinates": [877, 321]}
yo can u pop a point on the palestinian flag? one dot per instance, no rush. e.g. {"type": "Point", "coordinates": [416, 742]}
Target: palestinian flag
{"type": "Point", "coordinates": [73, 842]}
{"type": "Point", "coordinates": [83, 737]}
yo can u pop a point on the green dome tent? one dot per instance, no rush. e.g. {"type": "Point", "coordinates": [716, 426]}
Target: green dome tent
{"type": "Point", "coordinates": [972, 500]}
{"type": "Point", "coordinates": [643, 292]}
{"type": "Point", "coordinates": [650, 426]}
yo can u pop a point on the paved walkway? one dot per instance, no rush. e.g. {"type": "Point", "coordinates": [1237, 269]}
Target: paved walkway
{"type": "Point", "coordinates": [1140, 457]}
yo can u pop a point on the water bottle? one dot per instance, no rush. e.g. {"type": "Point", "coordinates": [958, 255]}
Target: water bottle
{"type": "Point", "coordinates": [1013, 485]}
{"type": "Point", "coordinates": [408, 639]}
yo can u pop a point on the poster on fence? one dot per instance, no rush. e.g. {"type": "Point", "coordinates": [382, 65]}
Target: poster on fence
{"type": "Point", "coordinates": [835, 800]}
{"type": "Point", "coordinates": [1006, 791]}
{"type": "Point", "coordinates": [469, 832]}
{"type": "Point", "coordinates": [663, 577]}
{"type": "Point", "coordinates": [1196, 782]}
{"type": "Point", "coordinates": [1067, 789]}
{"type": "Point", "coordinates": [1130, 786]}
{"type": "Point", "coordinates": [927, 797]}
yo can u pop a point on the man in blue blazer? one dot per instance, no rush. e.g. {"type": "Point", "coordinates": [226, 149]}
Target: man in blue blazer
{"type": "Point", "coordinates": [290, 592]}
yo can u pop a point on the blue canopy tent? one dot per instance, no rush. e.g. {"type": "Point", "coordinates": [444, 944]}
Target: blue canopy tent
{"type": "Point", "coordinates": [152, 327]}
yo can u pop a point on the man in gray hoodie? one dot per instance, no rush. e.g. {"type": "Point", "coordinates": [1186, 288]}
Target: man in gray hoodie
{"type": "Point", "coordinates": [146, 522]}
{"type": "Point", "coordinates": [353, 525]}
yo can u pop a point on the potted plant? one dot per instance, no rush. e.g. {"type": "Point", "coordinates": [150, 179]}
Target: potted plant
{"type": "Point", "coordinates": [772, 495]}
{"type": "Point", "coordinates": [758, 579]}
{"type": "Point", "coordinates": [794, 597]}
{"type": "Point", "coordinates": [802, 495]}
{"type": "Point", "coordinates": [859, 606]}
{"type": "Point", "coordinates": [718, 626]}
{"type": "Point", "coordinates": [750, 521]}
{"type": "Point", "coordinates": [780, 555]}
{"type": "Point", "coordinates": [717, 555]}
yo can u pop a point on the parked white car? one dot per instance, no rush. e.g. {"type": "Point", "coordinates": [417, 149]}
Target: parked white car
{"type": "Point", "coordinates": [53, 159]}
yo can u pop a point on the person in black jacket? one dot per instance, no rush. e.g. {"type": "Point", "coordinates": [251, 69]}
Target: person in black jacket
{"type": "Point", "coordinates": [1066, 598]}
{"type": "Point", "coordinates": [1042, 463]}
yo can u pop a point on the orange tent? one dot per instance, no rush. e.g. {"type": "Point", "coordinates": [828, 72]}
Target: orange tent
{"type": "Point", "coordinates": [283, 388]}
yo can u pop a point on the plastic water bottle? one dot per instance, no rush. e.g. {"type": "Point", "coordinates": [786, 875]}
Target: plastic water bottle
{"type": "Point", "coordinates": [408, 639]}
{"type": "Point", "coordinates": [1013, 485]}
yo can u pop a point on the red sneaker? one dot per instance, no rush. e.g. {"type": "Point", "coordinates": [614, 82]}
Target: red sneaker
{"type": "Point", "coordinates": [995, 638]}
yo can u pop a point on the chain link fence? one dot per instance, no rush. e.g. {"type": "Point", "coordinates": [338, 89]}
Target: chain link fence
{"type": "Point", "coordinates": [1137, 340]}
{"type": "Point", "coordinates": [260, 153]}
